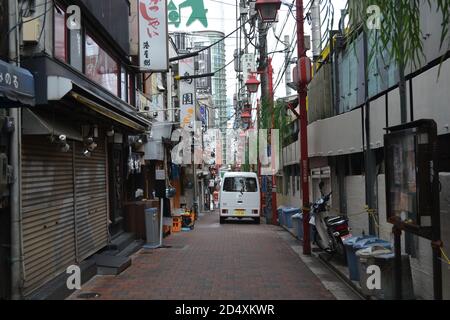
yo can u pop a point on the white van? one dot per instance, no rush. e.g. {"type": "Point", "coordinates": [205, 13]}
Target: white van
{"type": "Point", "coordinates": [239, 196]}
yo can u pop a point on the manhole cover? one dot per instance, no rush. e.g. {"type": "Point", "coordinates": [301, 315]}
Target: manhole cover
{"type": "Point", "coordinates": [89, 295]}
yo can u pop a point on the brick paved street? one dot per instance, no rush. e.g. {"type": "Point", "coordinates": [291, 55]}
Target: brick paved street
{"type": "Point", "coordinates": [230, 261]}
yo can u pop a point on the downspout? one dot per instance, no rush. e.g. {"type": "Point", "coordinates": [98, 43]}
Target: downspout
{"type": "Point", "coordinates": [16, 218]}
{"type": "Point", "coordinates": [370, 164]}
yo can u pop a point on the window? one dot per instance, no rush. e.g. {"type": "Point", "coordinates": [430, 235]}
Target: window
{"type": "Point", "coordinates": [240, 184]}
{"type": "Point", "coordinates": [100, 66]}
{"type": "Point", "coordinates": [124, 85]}
{"type": "Point", "coordinates": [131, 89]}
{"type": "Point", "coordinates": [60, 34]}
{"type": "Point", "coordinates": [76, 49]}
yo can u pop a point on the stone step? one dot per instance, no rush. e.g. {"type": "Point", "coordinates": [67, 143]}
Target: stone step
{"type": "Point", "coordinates": [111, 265]}
{"type": "Point", "coordinates": [121, 242]}
{"type": "Point", "coordinates": [132, 248]}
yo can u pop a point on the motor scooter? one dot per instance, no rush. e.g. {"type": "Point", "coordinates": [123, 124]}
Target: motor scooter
{"type": "Point", "coordinates": [329, 231]}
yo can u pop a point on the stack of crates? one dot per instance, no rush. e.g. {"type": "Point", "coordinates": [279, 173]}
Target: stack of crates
{"type": "Point", "coordinates": [177, 221]}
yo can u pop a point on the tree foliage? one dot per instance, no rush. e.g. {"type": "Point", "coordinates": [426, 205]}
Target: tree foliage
{"type": "Point", "coordinates": [401, 34]}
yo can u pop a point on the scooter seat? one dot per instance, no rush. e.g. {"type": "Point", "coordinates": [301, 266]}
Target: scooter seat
{"type": "Point", "coordinates": [335, 220]}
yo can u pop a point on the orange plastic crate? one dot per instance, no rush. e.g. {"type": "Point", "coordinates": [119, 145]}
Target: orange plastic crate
{"type": "Point", "coordinates": [176, 226]}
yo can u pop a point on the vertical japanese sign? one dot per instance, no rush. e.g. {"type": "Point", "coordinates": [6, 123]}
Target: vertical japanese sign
{"type": "Point", "coordinates": [248, 65]}
{"type": "Point", "coordinates": [187, 94]}
{"type": "Point", "coordinates": [153, 35]}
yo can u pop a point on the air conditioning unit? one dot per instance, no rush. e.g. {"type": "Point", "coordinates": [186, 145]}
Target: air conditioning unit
{"type": "Point", "coordinates": [31, 30]}
{"type": "Point", "coordinates": [143, 105]}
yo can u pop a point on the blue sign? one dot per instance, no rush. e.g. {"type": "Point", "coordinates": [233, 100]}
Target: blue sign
{"type": "Point", "coordinates": [16, 86]}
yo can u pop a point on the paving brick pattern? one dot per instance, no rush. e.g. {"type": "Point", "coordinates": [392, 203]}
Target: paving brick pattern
{"type": "Point", "coordinates": [234, 261]}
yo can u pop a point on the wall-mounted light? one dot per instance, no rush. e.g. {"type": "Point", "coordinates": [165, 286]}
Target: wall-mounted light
{"type": "Point", "coordinates": [110, 132]}
{"type": "Point", "coordinates": [87, 153]}
{"type": "Point", "coordinates": [92, 147]}
{"type": "Point", "coordinates": [61, 141]}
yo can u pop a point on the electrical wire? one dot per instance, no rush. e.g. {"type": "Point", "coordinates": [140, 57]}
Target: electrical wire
{"type": "Point", "coordinates": [286, 63]}
{"type": "Point", "coordinates": [282, 29]}
{"type": "Point", "coordinates": [285, 69]}
{"type": "Point", "coordinates": [45, 19]}
{"type": "Point", "coordinates": [34, 18]}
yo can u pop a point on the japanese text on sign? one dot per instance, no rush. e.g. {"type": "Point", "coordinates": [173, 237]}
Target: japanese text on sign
{"type": "Point", "coordinates": [153, 39]}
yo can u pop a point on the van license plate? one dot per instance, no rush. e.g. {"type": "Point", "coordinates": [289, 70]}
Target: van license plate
{"type": "Point", "coordinates": [239, 212]}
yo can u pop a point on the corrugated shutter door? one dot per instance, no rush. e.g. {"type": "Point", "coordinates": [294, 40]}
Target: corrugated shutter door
{"type": "Point", "coordinates": [91, 200]}
{"type": "Point", "coordinates": [48, 211]}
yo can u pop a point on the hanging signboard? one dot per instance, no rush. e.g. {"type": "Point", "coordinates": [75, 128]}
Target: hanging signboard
{"type": "Point", "coordinates": [187, 94]}
{"type": "Point", "coordinates": [153, 36]}
{"type": "Point", "coordinates": [248, 65]}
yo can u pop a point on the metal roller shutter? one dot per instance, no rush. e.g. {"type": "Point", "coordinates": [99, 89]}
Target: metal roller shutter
{"type": "Point", "coordinates": [91, 200]}
{"type": "Point", "coordinates": [47, 196]}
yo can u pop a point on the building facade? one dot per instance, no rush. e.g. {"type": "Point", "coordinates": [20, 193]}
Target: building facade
{"type": "Point", "coordinates": [83, 137]}
{"type": "Point", "coordinates": [337, 134]}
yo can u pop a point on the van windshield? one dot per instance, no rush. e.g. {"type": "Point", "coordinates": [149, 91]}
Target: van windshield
{"type": "Point", "coordinates": [240, 184]}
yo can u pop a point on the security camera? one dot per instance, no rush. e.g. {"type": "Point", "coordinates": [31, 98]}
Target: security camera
{"type": "Point", "coordinates": [92, 147]}
{"type": "Point", "coordinates": [62, 138]}
{"type": "Point", "coordinates": [89, 140]}
{"type": "Point", "coordinates": [155, 114]}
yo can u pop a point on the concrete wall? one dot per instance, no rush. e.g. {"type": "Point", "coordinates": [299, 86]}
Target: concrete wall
{"type": "Point", "coordinates": [356, 201]}
{"type": "Point", "coordinates": [343, 134]}
{"type": "Point", "coordinates": [421, 264]}
{"type": "Point", "coordinates": [445, 230]}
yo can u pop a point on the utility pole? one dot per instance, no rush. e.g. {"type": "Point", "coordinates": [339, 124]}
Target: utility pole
{"type": "Point", "coordinates": [304, 161]}
{"type": "Point", "coordinates": [273, 155]}
{"type": "Point", "coordinates": [262, 70]}
{"type": "Point", "coordinates": [16, 250]}
{"type": "Point", "coordinates": [287, 63]}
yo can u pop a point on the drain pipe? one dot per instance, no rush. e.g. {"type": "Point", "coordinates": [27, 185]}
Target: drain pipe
{"type": "Point", "coordinates": [16, 256]}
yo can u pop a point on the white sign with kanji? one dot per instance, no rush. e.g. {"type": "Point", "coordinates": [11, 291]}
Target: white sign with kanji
{"type": "Point", "coordinates": [186, 67]}
{"type": "Point", "coordinates": [153, 35]}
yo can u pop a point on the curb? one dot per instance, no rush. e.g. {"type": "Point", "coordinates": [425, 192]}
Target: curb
{"type": "Point", "coordinates": [336, 271]}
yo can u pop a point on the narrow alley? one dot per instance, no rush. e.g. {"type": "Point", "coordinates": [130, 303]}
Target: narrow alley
{"type": "Point", "coordinates": [233, 261]}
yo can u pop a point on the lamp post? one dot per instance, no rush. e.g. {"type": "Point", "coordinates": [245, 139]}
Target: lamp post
{"type": "Point", "coordinates": [267, 10]}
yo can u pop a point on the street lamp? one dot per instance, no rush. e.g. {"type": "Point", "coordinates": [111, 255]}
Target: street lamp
{"type": "Point", "coordinates": [252, 84]}
{"type": "Point", "coordinates": [268, 9]}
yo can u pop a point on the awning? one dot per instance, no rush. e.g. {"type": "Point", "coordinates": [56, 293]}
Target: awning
{"type": "Point", "coordinates": [41, 124]}
{"type": "Point", "coordinates": [60, 87]}
{"type": "Point", "coordinates": [16, 86]}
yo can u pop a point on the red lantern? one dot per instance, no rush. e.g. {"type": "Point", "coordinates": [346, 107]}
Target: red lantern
{"type": "Point", "coordinates": [252, 84]}
{"type": "Point", "coordinates": [303, 75]}
{"type": "Point", "coordinates": [246, 115]}
{"type": "Point", "coordinates": [268, 9]}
